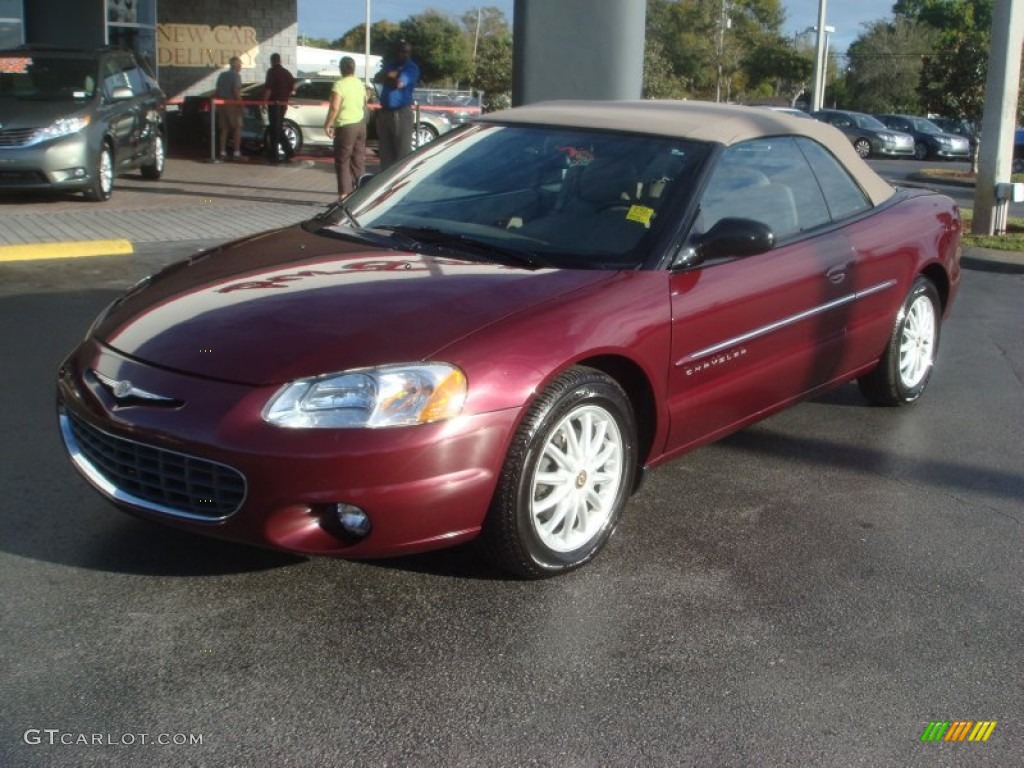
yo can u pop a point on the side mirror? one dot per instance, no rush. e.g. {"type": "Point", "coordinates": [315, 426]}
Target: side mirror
{"type": "Point", "coordinates": [735, 237]}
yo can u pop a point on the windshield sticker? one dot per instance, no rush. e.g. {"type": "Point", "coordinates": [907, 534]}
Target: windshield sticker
{"type": "Point", "coordinates": [15, 65]}
{"type": "Point", "coordinates": [640, 213]}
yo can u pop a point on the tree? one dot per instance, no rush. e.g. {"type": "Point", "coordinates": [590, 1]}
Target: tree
{"type": "Point", "coordinates": [706, 43]}
{"type": "Point", "coordinates": [885, 66]}
{"type": "Point", "coordinates": [660, 80]}
{"type": "Point", "coordinates": [786, 69]}
{"type": "Point", "coordinates": [952, 80]}
{"type": "Point", "coordinates": [481, 24]}
{"type": "Point", "coordinates": [440, 48]}
{"type": "Point", "coordinates": [382, 37]}
{"type": "Point", "coordinates": [493, 71]}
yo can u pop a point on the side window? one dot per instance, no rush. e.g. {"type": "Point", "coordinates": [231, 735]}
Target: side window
{"type": "Point", "coordinates": [767, 180]}
{"type": "Point", "coordinates": [841, 121]}
{"type": "Point", "coordinates": [113, 77]}
{"type": "Point", "coordinates": [843, 195]}
{"type": "Point", "coordinates": [136, 78]}
{"type": "Point", "coordinates": [318, 91]}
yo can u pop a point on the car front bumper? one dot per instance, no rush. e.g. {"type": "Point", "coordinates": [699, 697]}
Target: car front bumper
{"type": "Point", "coordinates": [57, 164]}
{"type": "Point", "coordinates": [422, 487]}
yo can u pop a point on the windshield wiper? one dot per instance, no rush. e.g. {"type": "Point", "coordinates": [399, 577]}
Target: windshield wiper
{"type": "Point", "coordinates": [348, 215]}
{"type": "Point", "coordinates": [462, 243]}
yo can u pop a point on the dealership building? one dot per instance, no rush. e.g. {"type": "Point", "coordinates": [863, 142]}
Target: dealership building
{"type": "Point", "coordinates": [187, 42]}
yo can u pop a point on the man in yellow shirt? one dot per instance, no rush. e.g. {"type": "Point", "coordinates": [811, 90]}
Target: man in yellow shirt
{"type": "Point", "coordinates": [346, 124]}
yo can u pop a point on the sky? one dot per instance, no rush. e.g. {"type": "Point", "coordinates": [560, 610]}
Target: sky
{"type": "Point", "coordinates": [333, 18]}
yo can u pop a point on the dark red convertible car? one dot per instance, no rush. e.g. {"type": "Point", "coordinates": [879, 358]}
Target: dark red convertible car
{"type": "Point", "coordinates": [495, 337]}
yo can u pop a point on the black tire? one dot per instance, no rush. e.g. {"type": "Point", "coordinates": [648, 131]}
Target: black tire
{"type": "Point", "coordinates": [155, 169]}
{"type": "Point", "coordinates": [548, 518]}
{"type": "Point", "coordinates": [102, 185]}
{"type": "Point", "coordinates": [921, 151]}
{"type": "Point", "coordinates": [907, 362]}
{"type": "Point", "coordinates": [292, 135]}
{"type": "Point", "coordinates": [863, 147]}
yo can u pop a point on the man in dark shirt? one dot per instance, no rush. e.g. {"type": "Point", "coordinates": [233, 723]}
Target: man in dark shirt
{"type": "Point", "coordinates": [277, 89]}
{"type": "Point", "coordinates": [395, 118]}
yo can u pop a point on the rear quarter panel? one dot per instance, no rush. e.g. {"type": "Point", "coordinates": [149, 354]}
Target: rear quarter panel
{"type": "Point", "coordinates": [917, 232]}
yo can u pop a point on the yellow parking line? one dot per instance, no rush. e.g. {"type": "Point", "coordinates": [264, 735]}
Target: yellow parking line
{"type": "Point", "coordinates": [65, 250]}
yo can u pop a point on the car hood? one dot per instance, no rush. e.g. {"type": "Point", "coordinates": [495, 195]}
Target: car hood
{"type": "Point", "coordinates": [32, 113]}
{"type": "Point", "coordinates": [290, 304]}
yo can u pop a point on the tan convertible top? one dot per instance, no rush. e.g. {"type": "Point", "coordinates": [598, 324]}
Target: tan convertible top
{"type": "Point", "coordinates": [702, 121]}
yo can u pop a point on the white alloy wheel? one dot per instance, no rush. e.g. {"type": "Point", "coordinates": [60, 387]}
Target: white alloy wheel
{"type": "Point", "coordinates": [906, 363]}
{"type": "Point", "coordinates": [102, 184]}
{"type": "Point", "coordinates": [917, 345]}
{"type": "Point", "coordinates": [577, 479]}
{"type": "Point", "coordinates": [568, 473]}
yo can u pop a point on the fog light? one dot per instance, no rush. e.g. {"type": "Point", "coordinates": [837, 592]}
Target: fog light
{"type": "Point", "coordinates": [352, 520]}
{"type": "Point", "coordinates": [69, 173]}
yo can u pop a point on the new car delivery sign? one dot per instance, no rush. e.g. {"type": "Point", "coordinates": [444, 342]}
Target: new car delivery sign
{"type": "Point", "coordinates": [200, 45]}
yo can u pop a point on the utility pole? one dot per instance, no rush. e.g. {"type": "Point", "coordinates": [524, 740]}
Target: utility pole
{"type": "Point", "coordinates": [995, 156]}
{"type": "Point", "coordinates": [476, 37]}
{"type": "Point", "coordinates": [724, 22]}
{"type": "Point", "coordinates": [819, 59]}
{"type": "Point", "coordinates": [366, 52]}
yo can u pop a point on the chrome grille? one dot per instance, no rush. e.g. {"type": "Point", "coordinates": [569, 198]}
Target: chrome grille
{"type": "Point", "coordinates": [153, 478]}
{"type": "Point", "coordinates": [16, 137]}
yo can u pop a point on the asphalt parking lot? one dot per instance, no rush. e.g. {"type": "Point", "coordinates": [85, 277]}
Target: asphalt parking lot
{"type": "Point", "coordinates": [814, 590]}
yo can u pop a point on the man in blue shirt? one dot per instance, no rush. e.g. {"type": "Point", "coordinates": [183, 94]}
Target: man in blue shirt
{"type": "Point", "coordinates": [395, 118]}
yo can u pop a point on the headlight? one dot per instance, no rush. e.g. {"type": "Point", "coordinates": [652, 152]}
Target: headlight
{"type": "Point", "coordinates": [943, 140]}
{"type": "Point", "coordinates": [63, 127]}
{"type": "Point", "coordinates": [888, 137]}
{"type": "Point", "coordinates": [388, 396]}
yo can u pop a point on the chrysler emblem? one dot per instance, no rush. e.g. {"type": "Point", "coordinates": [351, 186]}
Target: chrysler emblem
{"type": "Point", "coordinates": [125, 390]}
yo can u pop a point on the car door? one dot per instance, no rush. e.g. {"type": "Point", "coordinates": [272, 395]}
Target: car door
{"type": "Point", "coordinates": [308, 109]}
{"type": "Point", "coordinates": [120, 112]}
{"type": "Point", "coordinates": [751, 334]}
{"type": "Point", "coordinates": [148, 107]}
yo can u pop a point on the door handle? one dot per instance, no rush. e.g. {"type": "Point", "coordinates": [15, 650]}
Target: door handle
{"type": "Point", "coordinates": [836, 274]}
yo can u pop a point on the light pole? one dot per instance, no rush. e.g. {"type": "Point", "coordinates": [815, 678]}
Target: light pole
{"type": "Point", "coordinates": [366, 52]}
{"type": "Point", "coordinates": [819, 59]}
{"type": "Point", "coordinates": [823, 85]}
{"type": "Point", "coordinates": [724, 22]}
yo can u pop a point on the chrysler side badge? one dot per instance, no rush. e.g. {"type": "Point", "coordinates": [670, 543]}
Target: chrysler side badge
{"type": "Point", "coordinates": [124, 389]}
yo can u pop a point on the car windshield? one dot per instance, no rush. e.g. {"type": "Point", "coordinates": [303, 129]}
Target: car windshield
{"type": "Point", "coordinates": [562, 197]}
{"type": "Point", "coordinates": [867, 121]}
{"type": "Point", "coordinates": [46, 78]}
{"type": "Point", "coordinates": [924, 126]}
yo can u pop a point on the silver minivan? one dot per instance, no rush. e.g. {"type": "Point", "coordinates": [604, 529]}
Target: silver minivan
{"type": "Point", "coordinates": [73, 120]}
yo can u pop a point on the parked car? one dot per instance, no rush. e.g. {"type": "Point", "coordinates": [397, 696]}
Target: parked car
{"type": "Point", "coordinates": [307, 112]}
{"type": "Point", "coordinates": [961, 127]}
{"type": "Point", "coordinates": [304, 120]}
{"type": "Point", "coordinates": [791, 111]}
{"type": "Point", "coordinates": [493, 338]}
{"type": "Point", "coordinates": [459, 106]}
{"type": "Point", "coordinates": [73, 120]}
{"type": "Point", "coordinates": [930, 141]}
{"type": "Point", "coordinates": [868, 136]}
